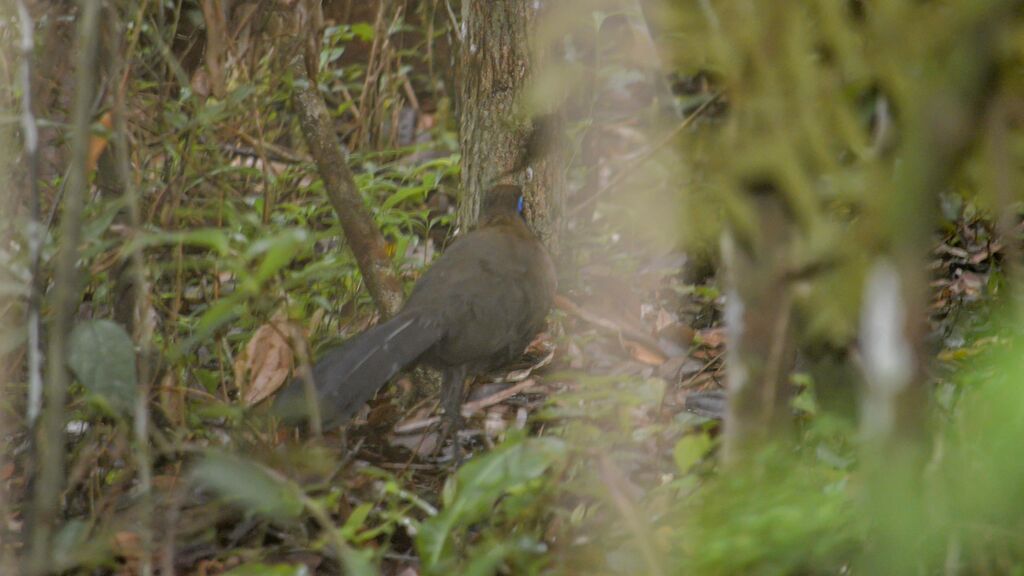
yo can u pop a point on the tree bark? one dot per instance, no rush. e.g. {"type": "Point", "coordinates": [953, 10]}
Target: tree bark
{"type": "Point", "coordinates": [943, 112]}
{"type": "Point", "coordinates": [759, 311]}
{"type": "Point", "coordinates": [494, 130]}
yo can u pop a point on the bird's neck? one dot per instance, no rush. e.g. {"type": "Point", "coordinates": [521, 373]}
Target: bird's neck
{"type": "Point", "coordinates": [502, 220]}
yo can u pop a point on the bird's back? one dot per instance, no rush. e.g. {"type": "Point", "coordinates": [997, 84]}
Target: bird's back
{"type": "Point", "coordinates": [493, 289]}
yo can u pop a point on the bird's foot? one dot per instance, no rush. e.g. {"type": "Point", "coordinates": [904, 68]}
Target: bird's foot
{"type": "Point", "coordinates": [450, 428]}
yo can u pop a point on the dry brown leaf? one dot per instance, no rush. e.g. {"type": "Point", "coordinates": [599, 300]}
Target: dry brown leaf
{"type": "Point", "coordinates": [263, 366]}
{"type": "Point", "coordinates": [712, 337]}
{"type": "Point", "coordinates": [98, 143]}
{"type": "Point", "coordinates": [967, 285]}
{"type": "Point", "coordinates": [166, 482]}
{"type": "Point", "coordinates": [663, 320]}
{"type": "Point", "coordinates": [419, 444]}
{"type": "Point", "coordinates": [980, 257]}
{"type": "Point", "coordinates": [127, 544]}
{"type": "Point", "coordinates": [643, 354]}
{"type": "Point", "coordinates": [172, 398]}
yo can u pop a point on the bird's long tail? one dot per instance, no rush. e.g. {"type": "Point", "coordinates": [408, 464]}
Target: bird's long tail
{"type": "Point", "coordinates": [346, 377]}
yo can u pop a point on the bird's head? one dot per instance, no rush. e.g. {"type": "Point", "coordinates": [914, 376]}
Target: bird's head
{"type": "Point", "coordinates": [503, 200]}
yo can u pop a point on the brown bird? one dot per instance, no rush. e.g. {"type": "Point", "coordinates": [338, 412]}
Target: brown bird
{"type": "Point", "coordinates": [477, 307]}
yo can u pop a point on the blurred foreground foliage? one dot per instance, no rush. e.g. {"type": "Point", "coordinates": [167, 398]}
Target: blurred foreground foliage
{"type": "Point", "coordinates": [829, 103]}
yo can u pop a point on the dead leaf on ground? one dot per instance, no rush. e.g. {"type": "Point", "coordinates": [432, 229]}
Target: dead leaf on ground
{"type": "Point", "coordinates": [421, 445]}
{"type": "Point", "coordinates": [712, 337]}
{"type": "Point", "coordinates": [172, 398]}
{"type": "Point", "coordinates": [98, 142]}
{"type": "Point", "coordinates": [663, 319]}
{"type": "Point", "coordinates": [967, 285]}
{"type": "Point", "coordinates": [166, 482]}
{"type": "Point", "coordinates": [643, 354]}
{"type": "Point", "coordinates": [263, 366]}
{"type": "Point", "coordinates": [128, 544]}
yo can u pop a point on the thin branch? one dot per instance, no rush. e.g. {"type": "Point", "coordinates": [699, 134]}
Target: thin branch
{"type": "Point", "coordinates": [362, 234]}
{"type": "Point", "coordinates": [456, 27]}
{"type": "Point", "coordinates": [49, 437]}
{"type": "Point", "coordinates": [35, 230]}
{"type": "Point", "coordinates": [143, 328]}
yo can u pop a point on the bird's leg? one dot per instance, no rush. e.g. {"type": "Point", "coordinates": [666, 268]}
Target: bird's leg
{"type": "Point", "coordinates": [451, 401]}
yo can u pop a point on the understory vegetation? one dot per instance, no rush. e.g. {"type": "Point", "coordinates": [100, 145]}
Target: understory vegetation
{"type": "Point", "coordinates": [820, 203]}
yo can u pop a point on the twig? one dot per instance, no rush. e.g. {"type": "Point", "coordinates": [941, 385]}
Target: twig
{"type": "Point", "coordinates": [50, 435]}
{"type": "Point", "coordinates": [35, 231]}
{"type": "Point", "coordinates": [141, 322]}
{"type": "Point", "coordinates": [455, 21]}
{"type": "Point", "coordinates": [646, 155]}
{"type": "Point", "coordinates": [711, 362]}
{"type": "Point", "coordinates": [469, 408]}
{"type": "Point", "coordinates": [363, 236]}
{"type": "Point", "coordinates": [379, 37]}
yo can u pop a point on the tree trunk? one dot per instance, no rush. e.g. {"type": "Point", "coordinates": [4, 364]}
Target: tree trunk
{"type": "Point", "coordinates": [759, 312]}
{"type": "Point", "coordinates": [494, 130]}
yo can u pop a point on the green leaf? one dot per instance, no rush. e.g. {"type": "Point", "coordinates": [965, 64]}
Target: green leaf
{"type": "Point", "coordinates": [248, 486]}
{"type": "Point", "coordinates": [279, 251]}
{"type": "Point", "coordinates": [102, 357]}
{"type": "Point", "coordinates": [220, 313]}
{"type": "Point", "coordinates": [477, 487]}
{"type": "Point", "coordinates": [690, 450]}
{"type": "Point", "coordinates": [211, 238]}
{"type": "Point", "coordinates": [363, 31]}
{"type": "Point", "coordinates": [260, 569]}
{"type": "Point", "coordinates": [404, 194]}
{"type": "Point", "coordinates": [356, 520]}
{"type": "Point", "coordinates": [487, 561]}
{"type": "Point", "coordinates": [69, 541]}
{"type": "Point", "coordinates": [359, 562]}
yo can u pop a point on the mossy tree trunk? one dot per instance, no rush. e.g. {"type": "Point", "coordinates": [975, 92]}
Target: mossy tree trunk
{"type": "Point", "coordinates": [496, 62]}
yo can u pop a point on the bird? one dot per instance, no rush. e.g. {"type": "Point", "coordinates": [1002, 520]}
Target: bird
{"type": "Point", "coordinates": [477, 307]}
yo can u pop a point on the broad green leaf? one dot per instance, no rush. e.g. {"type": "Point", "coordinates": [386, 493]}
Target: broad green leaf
{"type": "Point", "coordinates": [690, 450]}
{"type": "Point", "coordinates": [69, 543]}
{"type": "Point", "coordinates": [248, 486]}
{"type": "Point", "coordinates": [363, 31]}
{"type": "Point", "coordinates": [477, 487]}
{"type": "Point", "coordinates": [102, 357]}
